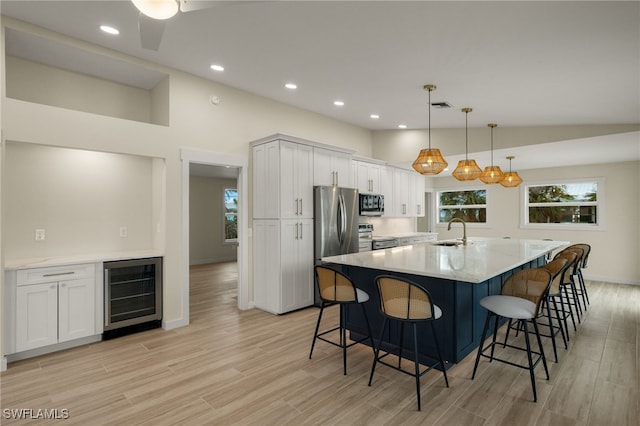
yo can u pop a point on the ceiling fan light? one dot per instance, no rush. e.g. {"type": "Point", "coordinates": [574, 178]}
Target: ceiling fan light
{"type": "Point", "coordinates": [492, 174]}
{"type": "Point", "coordinates": [157, 9]}
{"type": "Point", "coordinates": [429, 162]}
{"type": "Point", "coordinates": [467, 170]}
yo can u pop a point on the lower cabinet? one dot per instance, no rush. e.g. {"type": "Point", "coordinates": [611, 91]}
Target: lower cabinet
{"type": "Point", "coordinates": [283, 264]}
{"type": "Point", "coordinates": [52, 305]}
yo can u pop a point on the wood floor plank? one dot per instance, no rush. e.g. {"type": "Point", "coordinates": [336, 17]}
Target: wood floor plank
{"type": "Point", "coordinates": [233, 367]}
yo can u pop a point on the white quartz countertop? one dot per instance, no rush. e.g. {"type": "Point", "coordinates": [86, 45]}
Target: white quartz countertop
{"type": "Point", "coordinates": [406, 234]}
{"type": "Point", "coordinates": [479, 260]}
{"type": "Point", "coordinates": [40, 262]}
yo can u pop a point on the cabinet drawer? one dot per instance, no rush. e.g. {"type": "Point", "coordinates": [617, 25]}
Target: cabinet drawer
{"type": "Point", "coordinates": [55, 273]}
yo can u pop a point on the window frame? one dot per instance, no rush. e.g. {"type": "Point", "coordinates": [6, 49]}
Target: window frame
{"type": "Point", "coordinates": [437, 206]}
{"type": "Point", "coordinates": [600, 205]}
{"type": "Point", "coordinates": [226, 240]}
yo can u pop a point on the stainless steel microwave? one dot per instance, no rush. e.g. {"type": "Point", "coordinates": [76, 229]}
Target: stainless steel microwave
{"type": "Point", "coordinates": [371, 204]}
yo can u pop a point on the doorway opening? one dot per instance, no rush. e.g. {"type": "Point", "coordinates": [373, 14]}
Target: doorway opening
{"type": "Point", "coordinates": [201, 172]}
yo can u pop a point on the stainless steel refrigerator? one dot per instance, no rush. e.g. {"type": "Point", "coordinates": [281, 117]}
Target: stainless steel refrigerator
{"type": "Point", "coordinates": [336, 221]}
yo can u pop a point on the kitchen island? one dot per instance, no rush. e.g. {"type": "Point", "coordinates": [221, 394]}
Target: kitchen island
{"type": "Point", "coordinates": [457, 276]}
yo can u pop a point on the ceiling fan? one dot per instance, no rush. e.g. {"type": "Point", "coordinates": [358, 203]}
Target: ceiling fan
{"type": "Point", "coordinates": [154, 15]}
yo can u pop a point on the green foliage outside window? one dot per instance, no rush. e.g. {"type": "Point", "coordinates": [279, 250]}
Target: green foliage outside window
{"type": "Point", "coordinates": [470, 206]}
{"type": "Point", "coordinates": [230, 214]}
{"type": "Point", "coordinates": [563, 204]}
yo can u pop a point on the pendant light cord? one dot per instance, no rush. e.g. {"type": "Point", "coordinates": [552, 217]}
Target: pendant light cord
{"type": "Point", "coordinates": [429, 133]}
{"type": "Point", "coordinates": [466, 135]}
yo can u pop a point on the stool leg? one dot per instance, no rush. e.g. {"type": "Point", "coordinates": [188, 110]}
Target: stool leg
{"type": "Point", "coordinates": [315, 334]}
{"type": "Point", "coordinates": [495, 335]}
{"type": "Point", "coordinates": [400, 343]}
{"type": "Point", "coordinates": [484, 336]}
{"type": "Point", "coordinates": [566, 293]}
{"type": "Point", "coordinates": [565, 315]}
{"type": "Point", "coordinates": [533, 379]}
{"type": "Point", "coordinates": [417, 364]}
{"type": "Point", "coordinates": [343, 338]}
{"type": "Point", "coordinates": [553, 334]}
{"type": "Point", "coordinates": [555, 308]}
{"type": "Point", "coordinates": [435, 339]}
{"type": "Point", "coordinates": [583, 286]}
{"type": "Point", "coordinates": [542, 355]}
{"type": "Point", "coordinates": [377, 350]}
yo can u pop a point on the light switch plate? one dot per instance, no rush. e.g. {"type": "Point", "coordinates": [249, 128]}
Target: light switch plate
{"type": "Point", "coordinates": [124, 231]}
{"type": "Point", "coordinates": [40, 235]}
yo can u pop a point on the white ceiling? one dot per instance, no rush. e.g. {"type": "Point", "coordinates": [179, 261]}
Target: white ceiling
{"type": "Point", "coordinates": [518, 63]}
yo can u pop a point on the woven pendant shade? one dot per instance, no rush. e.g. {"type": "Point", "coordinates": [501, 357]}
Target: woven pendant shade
{"type": "Point", "coordinates": [492, 174]}
{"type": "Point", "coordinates": [430, 162]}
{"type": "Point", "coordinates": [467, 170]}
{"type": "Point", "coordinates": [511, 179]}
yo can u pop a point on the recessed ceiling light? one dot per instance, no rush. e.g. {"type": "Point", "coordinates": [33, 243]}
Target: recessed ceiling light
{"type": "Point", "coordinates": [338, 103]}
{"type": "Point", "coordinates": [402, 126]}
{"type": "Point", "coordinates": [216, 67]}
{"type": "Point", "coordinates": [374, 116]}
{"type": "Point", "coordinates": [291, 86]}
{"type": "Point", "coordinates": [109, 30]}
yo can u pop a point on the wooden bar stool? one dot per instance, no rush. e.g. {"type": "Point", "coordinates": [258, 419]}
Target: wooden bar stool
{"type": "Point", "coordinates": [406, 302]}
{"type": "Point", "coordinates": [519, 300]}
{"type": "Point", "coordinates": [337, 288]}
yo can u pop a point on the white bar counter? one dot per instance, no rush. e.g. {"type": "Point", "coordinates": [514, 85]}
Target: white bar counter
{"type": "Point", "coordinates": [476, 262]}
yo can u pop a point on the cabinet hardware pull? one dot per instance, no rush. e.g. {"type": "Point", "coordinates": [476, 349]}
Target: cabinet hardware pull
{"type": "Point", "coordinates": [337, 183]}
{"type": "Point", "coordinates": [300, 206]}
{"type": "Point", "coordinates": [300, 230]}
{"type": "Point", "coordinates": [297, 213]}
{"type": "Point", "coordinates": [58, 274]}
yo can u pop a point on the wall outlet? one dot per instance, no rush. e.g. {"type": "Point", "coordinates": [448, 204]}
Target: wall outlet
{"type": "Point", "coordinates": [40, 235]}
{"type": "Point", "coordinates": [124, 231]}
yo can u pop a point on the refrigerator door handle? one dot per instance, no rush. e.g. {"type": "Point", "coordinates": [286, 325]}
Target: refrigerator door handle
{"type": "Point", "coordinates": [342, 219]}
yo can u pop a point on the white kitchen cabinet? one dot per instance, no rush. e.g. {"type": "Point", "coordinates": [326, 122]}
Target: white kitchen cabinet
{"type": "Point", "coordinates": [296, 180]}
{"type": "Point", "coordinates": [402, 199]}
{"type": "Point", "coordinates": [283, 264]}
{"type": "Point", "coordinates": [54, 305]}
{"type": "Point", "coordinates": [387, 189]}
{"type": "Point", "coordinates": [367, 177]}
{"type": "Point", "coordinates": [282, 180]}
{"type": "Point", "coordinates": [417, 192]}
{"type": "Point", "coordinates": [331, 168]}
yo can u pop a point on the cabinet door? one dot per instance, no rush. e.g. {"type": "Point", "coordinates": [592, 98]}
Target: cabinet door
{"type": "Point", "coordinates": [401, 193]}
{"type": "Point", "coordinates": [386, 189]}
{"type": "Point", "coordinates": [304, 287]}
{"type": "Point", "coordinates": [37, 316]}
{"type": "Point", "coordinates": [266, 265]}
{"type": "Point", "coordinates": [289, 198]}
{"type": "Point", "coordinates": [266, 169]}
{"type": "Point", "coordinates": [417, 191]}
{"type": "Point", "coordinates": [342, 168]}
{"type": "Point", "coordinates": [296, 264]}
{"type": "Point", "coordinates": [323, 173]}
{"type": "Point", "coordinates": [304, 180]}
{"type": "Point", "coordinates": [76, 299]}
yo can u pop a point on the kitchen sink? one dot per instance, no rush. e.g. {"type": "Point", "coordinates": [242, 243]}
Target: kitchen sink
{"type": "Point", "coordinates": [447, 243]}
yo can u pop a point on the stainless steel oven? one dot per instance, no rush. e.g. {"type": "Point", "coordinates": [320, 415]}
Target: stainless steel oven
{"type": "Point", "coordinates": [365, 233]}
{"type": "Point", "coordinates": [380, 243]}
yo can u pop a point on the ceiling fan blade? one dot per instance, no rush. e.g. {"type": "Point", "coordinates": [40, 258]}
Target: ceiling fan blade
{"type": "Point", "coordinates": [150, 31]}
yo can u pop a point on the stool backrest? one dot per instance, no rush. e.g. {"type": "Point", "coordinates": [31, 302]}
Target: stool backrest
{"type": "Point", "coordinates": [531, 284]}
{"type": "Point", "coordinates": [334, 286]}
{"type": "Point", "coordinates": [586, 249]}
{"type": "Point", "coordinates": [403, 299]}
{"type": "Point", "coordinates": [557, 267]}
{"type": "Point", "coordinates": [579, 252]}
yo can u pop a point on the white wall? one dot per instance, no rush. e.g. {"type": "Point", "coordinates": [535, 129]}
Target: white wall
{"type": "Point", "coordinates": [206, 214]}
{"type": "Point", "coordinates": [80, 198]}
{"type": "Point", "coordinates": [615, 250]}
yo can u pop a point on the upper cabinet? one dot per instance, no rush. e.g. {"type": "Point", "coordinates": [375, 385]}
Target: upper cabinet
{"type": "Point", "coordinates": [367, 176]}
{"type": "Point", "coordinates": [287, 166]}
{"type": "Point", "coordinates": [331, 168]}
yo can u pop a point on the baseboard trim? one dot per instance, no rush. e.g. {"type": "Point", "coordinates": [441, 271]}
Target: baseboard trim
{"type": "Point", "coordinates": [194, 262]}
{"type": "Point", "coordinates": [170, 325]}
{"type": "Point", "coordinates": [609, 280]}
{"type": "Point", "coordinates": [3, 364]}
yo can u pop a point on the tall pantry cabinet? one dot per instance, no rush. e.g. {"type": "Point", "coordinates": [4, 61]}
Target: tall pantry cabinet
{"type": "Point", "coordinates": [282, 225]}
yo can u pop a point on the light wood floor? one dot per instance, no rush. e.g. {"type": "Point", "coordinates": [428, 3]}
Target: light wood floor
{"type": "Point", "coordinates": [232, 367]}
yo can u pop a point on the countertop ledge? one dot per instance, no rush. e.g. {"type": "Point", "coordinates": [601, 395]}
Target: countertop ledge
{"type": "Point", "coordinates": [41, 262]}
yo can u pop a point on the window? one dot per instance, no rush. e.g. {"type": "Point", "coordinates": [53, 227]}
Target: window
{"type": "Point", "coordinates": [569, 204]}
{"type": "Point", "coordinates": [468, 205]}
{"type": "Point", "coordinates": [230, 215]}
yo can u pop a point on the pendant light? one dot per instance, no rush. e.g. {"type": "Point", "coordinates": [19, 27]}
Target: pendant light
{"type": "Point", "coordinates": [492, 174]}
{"type": "Point", "coordinates": [467, 169]}
{"type": "Point", "coordinates": [429, 161]}
{"type": "Point", "coordinates": [511, 179]}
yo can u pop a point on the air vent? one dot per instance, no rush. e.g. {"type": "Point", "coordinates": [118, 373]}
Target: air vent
{"type": "Point", "coordinates": [441, 105]}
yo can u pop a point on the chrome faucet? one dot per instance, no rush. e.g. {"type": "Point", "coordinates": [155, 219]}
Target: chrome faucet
{"type": "Point", "coordinates": [464, 228]}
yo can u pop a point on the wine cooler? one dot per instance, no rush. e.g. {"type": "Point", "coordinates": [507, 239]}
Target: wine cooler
{"type": "Point", "coordinates": [132, 294]}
